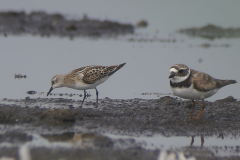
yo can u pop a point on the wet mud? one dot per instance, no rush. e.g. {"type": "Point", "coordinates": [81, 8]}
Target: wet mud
{"type": "Point", "coordinates": [72, 132]}
{"type": "Point", "coordinates": [44, 24]}
{"type": "Point", "coordinates": [167, 115]}
{"type": "Point", "coordinates": [211, 32]}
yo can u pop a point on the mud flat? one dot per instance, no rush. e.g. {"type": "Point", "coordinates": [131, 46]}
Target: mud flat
{"type": "Point", "coordinates": [57, 128]}
{"type": "Point", "coordinates": [211, 32]}
{"type": "Point", "coordinates": [44, 24]}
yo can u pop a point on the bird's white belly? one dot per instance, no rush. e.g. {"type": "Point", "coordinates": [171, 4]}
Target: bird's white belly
{"type": "Point", "coordinates": [83, 86]}
{"type": "Point", "coordinates": [191, 93]}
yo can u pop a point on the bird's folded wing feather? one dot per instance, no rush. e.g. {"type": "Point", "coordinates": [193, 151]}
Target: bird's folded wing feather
{"type": "Point", "coordinates": [203, 82]}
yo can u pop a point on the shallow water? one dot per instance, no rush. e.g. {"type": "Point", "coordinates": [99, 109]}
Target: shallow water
{"type": "Point", "coordinates": [225, 146]}
{"type": "Point", "coordinates": [146, 71]}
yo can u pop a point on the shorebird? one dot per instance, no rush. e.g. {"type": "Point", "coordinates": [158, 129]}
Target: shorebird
{"type": "Point", "coordinates": [84, 78]}
{"type": "Point", "coordinates": [190, 84]}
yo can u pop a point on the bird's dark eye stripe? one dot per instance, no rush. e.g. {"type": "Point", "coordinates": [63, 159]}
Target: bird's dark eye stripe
{"type": "Point", "coordinates": [180, 71]}
{"type": "Point", "coordinates": [52, 82]}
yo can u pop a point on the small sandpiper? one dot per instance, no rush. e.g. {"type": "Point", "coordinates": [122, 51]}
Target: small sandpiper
{"type": "Point", "coordinates": [84, 78]}
{"type": "Point", "coordinates": [190, 84]}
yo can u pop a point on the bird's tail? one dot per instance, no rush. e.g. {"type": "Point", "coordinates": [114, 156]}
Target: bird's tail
{"type": "Point", "coordinates": [222, 83]}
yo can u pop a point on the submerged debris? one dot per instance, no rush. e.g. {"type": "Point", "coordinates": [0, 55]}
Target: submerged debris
{"type": "Point", "coordinates": [212, 32]}
{"type": "Point", "coordinates": [161, 40]}
{"type": "Point", "coordinates": [59, 94]}
{"type": "Point", "coordinates": [142, 24]}
{"type": "Point", "coordinates": [44, 24]}
{"type": "Point", "coordinates": [155, 93]}
{"type": "Point", "coordinates": [18, 76]}
{"type": "Point", "coordinates": [31, 92]}
{"type": "Point", "coordinates": [207, 45]}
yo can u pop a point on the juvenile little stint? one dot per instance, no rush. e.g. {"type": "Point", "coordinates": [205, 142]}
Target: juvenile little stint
{"type": "Point", "coordinates": [84, 78]}
{"type": "Point", "coordinates": [190, 84]}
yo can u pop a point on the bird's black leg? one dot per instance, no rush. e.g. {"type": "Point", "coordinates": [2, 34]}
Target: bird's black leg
{"type": "Point", "coordinates": [96, 97]}
{"type": "Point", "coordinates": [84, 96]}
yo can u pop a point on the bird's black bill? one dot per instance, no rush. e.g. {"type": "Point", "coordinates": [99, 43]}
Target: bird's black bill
{"type": "Point", "coordinates": [171, 76]}
{"type": "Point", "coordinates": [50, 90]}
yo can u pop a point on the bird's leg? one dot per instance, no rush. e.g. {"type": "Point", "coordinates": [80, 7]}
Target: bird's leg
{"type": "Point", "coordinates": [192, 141]}
{"type": "Point", "coordinates": [96, 97]}
{"type": "Point", "coordinates": [84, 96]}
{"type": "Point", "coordinates": [203, 105]}
{"type": "Point", "coordinates": [202, 141]}
{"type": "Point", "coordinates": [192, 108]}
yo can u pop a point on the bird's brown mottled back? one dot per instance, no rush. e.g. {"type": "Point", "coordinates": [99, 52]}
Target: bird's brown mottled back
{"type": "Point", "coordinates": [91, 74]}
{"type": "Point", "coordinates": [95, 73]}
{"type": "Point", "coordinates": [204, 82]}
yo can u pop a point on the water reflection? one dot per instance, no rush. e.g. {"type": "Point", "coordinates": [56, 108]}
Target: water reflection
{"type": "Point", "coordinates": [192, 141]}
{"type": "Point", "coordinates": [171, 155]}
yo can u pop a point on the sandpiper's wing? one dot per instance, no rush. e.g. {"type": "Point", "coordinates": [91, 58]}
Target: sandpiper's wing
{"type": "Point", "coordinates": [95, 73]}
{"type": "Point", "coordinates": [91, 74]}
{"type": "Point", "coordinates": [204, 82]}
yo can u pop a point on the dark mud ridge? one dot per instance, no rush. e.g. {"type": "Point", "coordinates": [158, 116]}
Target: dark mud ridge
{"type": "Point", "coordinates": [44, 24]}
{"type": "Point", "coordinates": [212, 32]}
{"type": "Point", "coordinates": [166, 116]}
{"type": "Point", "coordinates": [80, 131]}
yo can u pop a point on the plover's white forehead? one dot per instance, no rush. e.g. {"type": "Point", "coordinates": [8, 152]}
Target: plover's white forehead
{"type": "Point", "coordinates": [173, 70]}
{"type": "Point", "coordinates": [183, 68]}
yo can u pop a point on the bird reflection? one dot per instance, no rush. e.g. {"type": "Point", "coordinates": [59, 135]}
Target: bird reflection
{"type": "Point", "coordinates": [192, 141]}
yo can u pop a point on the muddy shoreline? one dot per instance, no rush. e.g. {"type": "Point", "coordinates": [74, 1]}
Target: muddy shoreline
{"type": "Point", "coordinates": [167, 116]}
{"type": "Point", "coordinates": [211, 32]}
{"type": "Point", "coordinates": [44, 24]}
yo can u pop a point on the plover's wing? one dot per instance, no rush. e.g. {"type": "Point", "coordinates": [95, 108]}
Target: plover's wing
{"type": "Point", "coordinates": [204, 82]}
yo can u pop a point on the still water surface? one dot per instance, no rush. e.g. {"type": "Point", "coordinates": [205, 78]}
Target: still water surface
{"type": "Point", "coordinates": [146, 71]}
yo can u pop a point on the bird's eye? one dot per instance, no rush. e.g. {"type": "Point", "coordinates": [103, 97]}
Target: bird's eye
{"type": "Point", "coordinates": [180, 71]}
{"type": "Point", "coordinates": [52, 82]}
